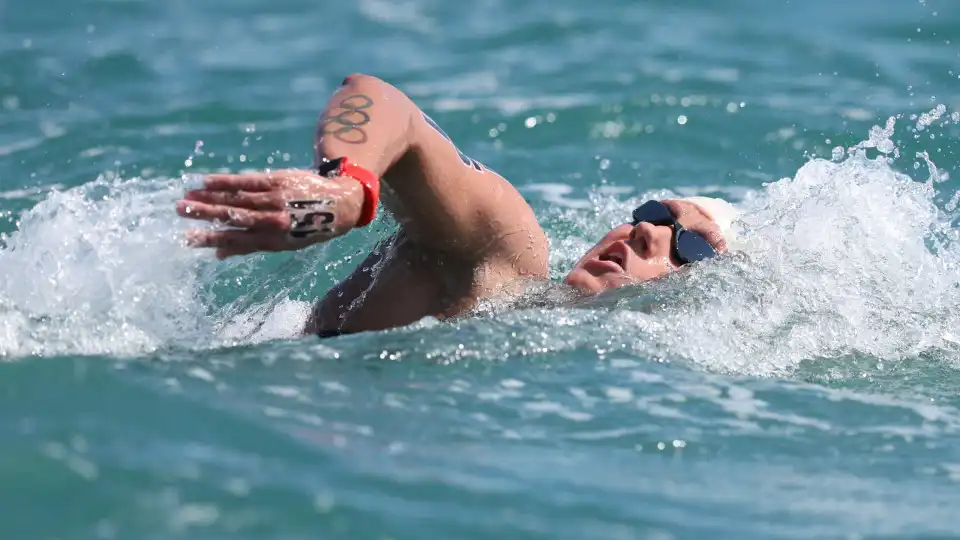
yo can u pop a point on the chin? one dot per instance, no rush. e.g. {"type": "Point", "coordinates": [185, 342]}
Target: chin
{"type": "Point", "coordinates": [584, 282]}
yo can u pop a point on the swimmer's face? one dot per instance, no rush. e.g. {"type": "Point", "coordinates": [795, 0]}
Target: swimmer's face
{"type": "Point", "coordinates": [631, 254]}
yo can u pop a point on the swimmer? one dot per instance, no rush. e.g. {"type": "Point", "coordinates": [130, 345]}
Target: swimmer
{"type": "Point", "coordinates": [465, 233]}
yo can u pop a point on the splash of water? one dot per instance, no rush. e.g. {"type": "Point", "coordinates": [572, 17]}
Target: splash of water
{"type": "Point", "coordinates": [94, 270]}
{"type": "Point", "coordinates": [844, 259]}
{"type": "Point", "coordinates": [848, 257]}
{"type": "Point", "coordinates": [102, 269]}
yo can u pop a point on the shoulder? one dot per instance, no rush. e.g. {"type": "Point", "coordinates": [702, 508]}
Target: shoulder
{"type": "Point", "coordinates": [454, 202]}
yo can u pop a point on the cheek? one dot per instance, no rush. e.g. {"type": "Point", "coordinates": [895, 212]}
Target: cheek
{"type": "Point", "coordinates": [616, 234]}
{"type": "Point", "coordinates": [652, 268]}
{"type": "Point", "coordinates": [582, 280]}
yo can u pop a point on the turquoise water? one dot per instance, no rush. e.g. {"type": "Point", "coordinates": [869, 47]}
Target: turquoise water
{"type": "Point", "coordinates": [805, 387]}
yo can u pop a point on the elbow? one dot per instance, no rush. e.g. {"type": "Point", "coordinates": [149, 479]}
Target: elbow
{"type": "Point", "coordinates": [389, 108]}
{"type": "Point", "coordinates": [360, 79]}
{"type": "Point", "coordinates": [371, 86]}
{"type": "Point", "coordinates": [378, 89]}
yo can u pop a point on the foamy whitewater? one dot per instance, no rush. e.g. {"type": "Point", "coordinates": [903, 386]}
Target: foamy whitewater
{"type": "Point", "coordinates": [847, 258]}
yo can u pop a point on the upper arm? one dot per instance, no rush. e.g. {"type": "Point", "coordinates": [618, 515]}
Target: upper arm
{"type": "Point", "coordinates": [446, 201]}
{"type": "Point", "coordinates": [456, 215]}
{"type": "Point", "coordinates": [444, 190]}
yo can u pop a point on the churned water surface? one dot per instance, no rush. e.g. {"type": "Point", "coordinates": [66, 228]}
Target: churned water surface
{"type": "Point", "coordinates": [803, 387]}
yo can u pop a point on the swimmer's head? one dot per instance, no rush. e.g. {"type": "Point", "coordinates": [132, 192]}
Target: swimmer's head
{"type": "Point", "coordinates": [645, 250]}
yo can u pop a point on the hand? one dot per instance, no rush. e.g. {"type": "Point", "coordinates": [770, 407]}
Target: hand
{"type": "Point", "coordinates": [273, 211]}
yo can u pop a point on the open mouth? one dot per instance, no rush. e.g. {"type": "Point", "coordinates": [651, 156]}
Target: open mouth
{"type": "Point", "coordinates": [613, 260]}
{"type": "Point", "coordinates": [616, 258]}
{"type": "Point", "coordinates": [616, 254]}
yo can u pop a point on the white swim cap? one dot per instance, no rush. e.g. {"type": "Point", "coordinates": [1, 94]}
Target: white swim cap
{"type": "Point", "coordinates": [722, 213]}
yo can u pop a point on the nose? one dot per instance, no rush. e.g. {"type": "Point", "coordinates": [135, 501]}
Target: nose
{"type": "Point", "coordinates": [642, 237]}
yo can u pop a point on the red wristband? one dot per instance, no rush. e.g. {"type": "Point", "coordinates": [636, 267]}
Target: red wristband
{"type": "Point", "coordinates": [371, 185]}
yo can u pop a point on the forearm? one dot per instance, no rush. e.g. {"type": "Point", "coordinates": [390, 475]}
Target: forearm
{"type": "Point", "coordinates": [368, 121]}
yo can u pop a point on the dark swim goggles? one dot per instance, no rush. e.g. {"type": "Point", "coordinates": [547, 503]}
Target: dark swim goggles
{"type": "Point", "coordinates": [688, 246]}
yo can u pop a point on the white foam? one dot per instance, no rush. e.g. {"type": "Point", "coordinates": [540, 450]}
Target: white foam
{"type": "Point", "coordinates": [844, 258]}
{"type": "Point", "coordinates": [98, 269]}
{"type": "Point", "coordinates": [848, 258]}
{"type": "Point", "coordinates": [266, 322]}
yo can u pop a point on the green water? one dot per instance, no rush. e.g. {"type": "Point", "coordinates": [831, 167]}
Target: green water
{"type": "Point", "coordinates": [805, 387]}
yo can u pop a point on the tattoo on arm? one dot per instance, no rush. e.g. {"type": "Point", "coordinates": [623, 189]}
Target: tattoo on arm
{"type": "Point", "coordinates": [467, 160]}
{"type": "Point", "coordinates": [346, 121]}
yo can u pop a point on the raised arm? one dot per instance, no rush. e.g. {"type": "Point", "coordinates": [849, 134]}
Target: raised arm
{"type": "Point", "coordinates": [444, 199]}
{"type": "Point", "coordinates": [449, 205]}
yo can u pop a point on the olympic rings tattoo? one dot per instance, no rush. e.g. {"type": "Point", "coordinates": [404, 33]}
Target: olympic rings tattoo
{"type": "Point", "coordinates": [346, 125]}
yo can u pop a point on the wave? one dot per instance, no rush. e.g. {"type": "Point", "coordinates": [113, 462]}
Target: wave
{"type": "Point", "coordinates": [847, 257]}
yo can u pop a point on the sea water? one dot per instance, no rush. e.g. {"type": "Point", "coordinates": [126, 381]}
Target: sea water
{"type": "Point", "coordinates": [803, 386]}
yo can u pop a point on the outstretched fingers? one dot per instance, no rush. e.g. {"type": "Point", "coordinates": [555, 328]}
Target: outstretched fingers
{"type": "Point", "coordinates": [240, 182]}
{"type": "Point", "coordinates": [253, 200]}
{"type": "Point", "coordinates": [233, 216]}
{"type": "Point", "coordinates": [230, 243]}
